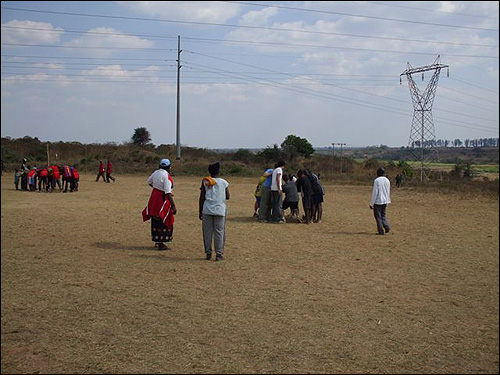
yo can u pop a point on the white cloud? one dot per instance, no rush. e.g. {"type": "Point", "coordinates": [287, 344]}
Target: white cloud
{"type": "Point", "coordinates": [30, 32]}
{"type": "Point", "coordinates": [492, 72]}
{"type": "Point", "coordinates": [258, 18]}
{"type": "Point", "coordinates": [102, 45]}
{"type": "Point", "coordinates": [195, 11]}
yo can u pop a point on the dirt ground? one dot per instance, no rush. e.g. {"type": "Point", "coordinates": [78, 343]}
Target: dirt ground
{"type": "Point", "coordinates": [84, 290]}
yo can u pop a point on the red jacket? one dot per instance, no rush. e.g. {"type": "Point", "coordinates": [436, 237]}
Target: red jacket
{"type": "Point", "coordinates": [55, 171]}
{"type": "Point", "coordinates": [159, 206]}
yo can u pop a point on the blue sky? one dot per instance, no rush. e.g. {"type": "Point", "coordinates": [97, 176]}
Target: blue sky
{"type": "Point", "coordinates": [252, 72]}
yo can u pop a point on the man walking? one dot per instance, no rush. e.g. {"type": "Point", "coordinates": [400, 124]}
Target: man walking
{"type": "Point", "coordinates": [109, 170]}
{"type": "Point", "coordinates": [381, 197]}
{"type": "Point", "coordinates": [101, 172]}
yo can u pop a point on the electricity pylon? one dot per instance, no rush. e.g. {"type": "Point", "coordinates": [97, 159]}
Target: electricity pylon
{"type": "Point", "coordinates": [422, 140]}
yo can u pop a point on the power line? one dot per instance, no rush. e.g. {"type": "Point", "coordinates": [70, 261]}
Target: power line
{"type": "Point", "coordinates": [472, 96]}
{"type": "Point", "coordinates": [280, 44]}
{"type": "Point", "coordinates": [333, 96]}
{"type": "Point", "coordinates": [474, 85]}
{"type": "Point", "coordinates": [86, 47]}
{"type": "Point", "coordinates": [361, 16]}
{"type": "Point", "coordinates": [327, 33]}
{"type": "Point", "coordinates": [350, 89]}
{"type": "Point", "coordinates": [149, 49]}
{"type": "Point", "coordinates": [430, 10]}
{"type": "Point", "coordinates": [230, 25]}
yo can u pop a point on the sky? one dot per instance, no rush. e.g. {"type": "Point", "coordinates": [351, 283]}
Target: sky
{"type": "Point", "coordinates": [251, 72]}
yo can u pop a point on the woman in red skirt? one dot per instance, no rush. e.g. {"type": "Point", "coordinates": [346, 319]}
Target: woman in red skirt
{"type": "Point", "coordinates": [161, 206]}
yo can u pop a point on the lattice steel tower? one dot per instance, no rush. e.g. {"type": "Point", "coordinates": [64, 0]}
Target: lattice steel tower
{"type": "Point", "coordinates": [422, 140]}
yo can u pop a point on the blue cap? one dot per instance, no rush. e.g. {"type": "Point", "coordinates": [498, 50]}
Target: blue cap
{"type": "Point", "coordinates": [164, 162]}
{"type": "Point", "coordinates": [270, 170]}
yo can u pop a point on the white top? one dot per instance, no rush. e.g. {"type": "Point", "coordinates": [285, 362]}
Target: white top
{"type": "Point", "coordinates": [159, 180]}
{"type": "Point", "coordinates": [215, 198]}
{"type": "Point", "coordinates": [274, 184]}
{"type": "Point", "coordinates": [381, 193]}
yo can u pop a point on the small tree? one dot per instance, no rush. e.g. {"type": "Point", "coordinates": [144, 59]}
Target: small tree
{"type": "Point", "coordinates": [271, 153]}
{"type": "Point", "coordinates": [294, 146]}
{"type": "Point", "coordinates": [141, 137]}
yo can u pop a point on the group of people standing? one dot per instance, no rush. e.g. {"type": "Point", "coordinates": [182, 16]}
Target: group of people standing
{"type": "Point", "coordinates": [274, 185]}
{"type": "Point", "coordinates": [214, 192]}
{"type": "Point", "coordinates": [161, 208]}
{"type": "Point", "coordinates": [46, 178]}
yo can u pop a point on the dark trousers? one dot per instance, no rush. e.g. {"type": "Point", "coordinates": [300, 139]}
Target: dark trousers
{"type": "Point", "coordinates": [265, 204]}
{"type": "Point", "coordinates": [109, 177]}
{"type": "Point", "coordinates": [381, 218]}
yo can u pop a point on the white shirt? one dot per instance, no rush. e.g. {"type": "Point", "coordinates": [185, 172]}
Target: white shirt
{"type": "Point", "coordinates": [274, 183]}
{"type": "Point", "coordinates": [215, 198]}
{"type": "Point", "coordinates": [381, 193]}
{"type": "Point", "coordinates": [159, 180]}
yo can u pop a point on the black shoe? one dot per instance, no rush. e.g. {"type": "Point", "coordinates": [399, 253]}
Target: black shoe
{"type": "Point", "coordinates": [208, 256]}
{"type": "Point", "coordinates": [162, 246]}
{"type": "Point", "coordinates": [387, 230]}
{"type": "Point", "coordinates": [219, 257]}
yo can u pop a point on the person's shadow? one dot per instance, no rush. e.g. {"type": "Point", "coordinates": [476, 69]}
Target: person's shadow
{"type": "Point", "coordinates": [151, 252]}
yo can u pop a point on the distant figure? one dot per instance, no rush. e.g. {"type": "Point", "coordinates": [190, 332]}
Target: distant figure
{"type": "Point", "coordinates": [265, 199]}
{"type": "Point", "coordinates": [258, 196]}
{"type": "Point", "coordinates": [75, 179]}
{"type": "Point", "coordinates": [101, 172]}
{"type": "Point", "coordinates": [32, 179]}
{"type": "Point", "coordinates": [56, 175]}
{"type": "Point", "coordinates": [214, 192]}
{"type": "Point", "coordinates": [161, 206]}
{"type": "Point", "coordinates": [17, 177]}
{"type": "Point", "coordinates": [291, 200]}
{"type": "Point", "coordinates": [43, 179]}
{"type": "Point", "coordinates": [66, 180]}
{"type": "Point", "coordinates": [381, 197]}
{"type": "Point", "coordinates": [276, 193]}
{"type": "Point", "coordinates": [109, 170]}
{"type": "Point", "coordinates": [318, 199]}
{"type": "Point", "coordinates": [3, 168]}
{"type": "Point", "coordinates": [399, 180]}
{"type": "Point", "coordinates": [24, 174]}
{"type": "Point", "coordinates": [305, 188]}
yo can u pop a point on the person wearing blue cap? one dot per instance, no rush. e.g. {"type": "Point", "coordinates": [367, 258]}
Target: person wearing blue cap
{"type": "Point", "coordinates": [161, 206]}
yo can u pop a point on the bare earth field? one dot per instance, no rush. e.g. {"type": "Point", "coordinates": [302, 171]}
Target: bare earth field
{"type": "Point", "coordinates": [84, 290]}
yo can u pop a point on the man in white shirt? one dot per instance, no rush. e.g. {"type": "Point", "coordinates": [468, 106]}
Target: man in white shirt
{"type": "Point", "coordinates": [381, 197]}
{"type": "Point", "coordinates": [276, 193]}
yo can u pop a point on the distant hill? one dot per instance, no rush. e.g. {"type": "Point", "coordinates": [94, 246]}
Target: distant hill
{"type": "Point", "coordinates": [477, 155]}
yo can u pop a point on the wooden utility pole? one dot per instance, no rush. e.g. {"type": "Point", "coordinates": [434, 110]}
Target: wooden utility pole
{"type": "Point", "coordinates": [179, 66]}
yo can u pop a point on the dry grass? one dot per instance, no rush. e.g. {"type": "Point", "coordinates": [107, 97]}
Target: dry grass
{"type": "Point", "coordinates": [84, 291]}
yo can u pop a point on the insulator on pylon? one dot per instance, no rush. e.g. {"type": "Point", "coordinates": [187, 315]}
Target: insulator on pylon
{"type": "Point", "coordinates": [448, 73]}
{"type": "Point", "coordinates": [400, 81]}
{"type": "Point", "coordinates": [422, 76]}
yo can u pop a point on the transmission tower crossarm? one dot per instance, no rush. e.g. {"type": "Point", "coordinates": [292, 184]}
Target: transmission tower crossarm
{"type": "Point", "coordinates": [423, 69]}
